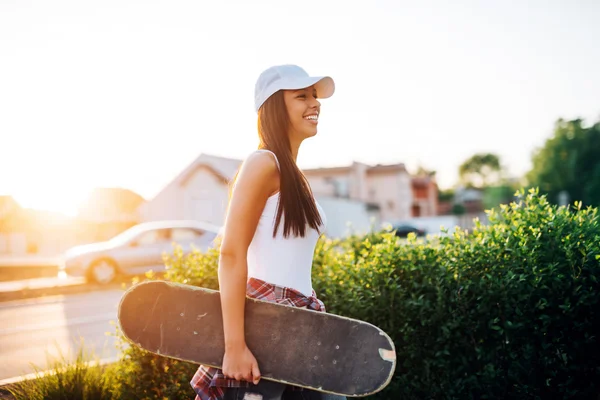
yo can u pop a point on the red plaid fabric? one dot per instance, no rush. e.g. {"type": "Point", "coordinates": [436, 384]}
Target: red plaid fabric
{"type": "Point", "coordinates": [210, 383]}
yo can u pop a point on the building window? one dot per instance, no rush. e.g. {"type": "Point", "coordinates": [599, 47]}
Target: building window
{"type": "Point", "coordinates": [416, 210]}
{"type": "Point", "coordinates": [340, 187]}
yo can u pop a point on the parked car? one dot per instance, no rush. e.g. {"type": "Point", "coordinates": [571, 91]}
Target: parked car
{"type": "Point", "coordinates": [137, 250]}
{"type": "Point", "coordinates": [403, 230]}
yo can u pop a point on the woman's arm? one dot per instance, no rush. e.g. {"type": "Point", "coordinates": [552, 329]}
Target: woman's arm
{"type": "Point", "coordinates": [257, 180]}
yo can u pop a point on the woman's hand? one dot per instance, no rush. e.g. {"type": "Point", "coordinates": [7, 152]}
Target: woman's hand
{"type": "Point", "coordinates": [241, 365]}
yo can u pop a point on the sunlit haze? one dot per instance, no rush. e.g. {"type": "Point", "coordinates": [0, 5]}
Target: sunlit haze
{"type": "Point", "coordinates": [127, 93]}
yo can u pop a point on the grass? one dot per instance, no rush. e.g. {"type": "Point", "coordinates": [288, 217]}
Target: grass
{"type": "Point", "coordinates": [80, 379]}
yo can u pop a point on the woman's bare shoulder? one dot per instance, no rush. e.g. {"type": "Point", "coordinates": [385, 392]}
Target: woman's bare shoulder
{"type": "Point", "coordinates": [258, 172]}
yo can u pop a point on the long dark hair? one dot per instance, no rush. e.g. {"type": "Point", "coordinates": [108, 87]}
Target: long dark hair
{"type": "Point", "coordinates": [296, 201]}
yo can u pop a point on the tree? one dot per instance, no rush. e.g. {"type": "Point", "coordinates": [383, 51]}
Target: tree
{"type": "Point", "coordinates": [422, 171]}
{"type": "Point", "coordinates": [480, 170]}
{"type": "Point", "coordinates": [446, 195]}
{"type": "Point", "coordinates": [569, 162]}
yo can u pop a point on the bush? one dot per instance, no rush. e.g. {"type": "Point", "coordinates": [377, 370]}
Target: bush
{"type": "Point", "coordinates": [509, 310]}
{"type": "Point", "coordinates": [145, 376]}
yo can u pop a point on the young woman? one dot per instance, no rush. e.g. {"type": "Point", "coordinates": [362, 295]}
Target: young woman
{"type": "Point", "coordinates": [272, 226]}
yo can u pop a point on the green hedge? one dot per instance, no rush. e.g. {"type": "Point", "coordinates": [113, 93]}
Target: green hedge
{"type": "Point", "coordinates": [507, 310]}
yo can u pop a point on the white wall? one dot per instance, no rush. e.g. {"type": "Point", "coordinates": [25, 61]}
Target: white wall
{"type": "Point", "coordinates": [359, 188]}
{"type": "Point", "coordinates": [168, 204]}
{"type": "Point", "coordinates": [393, 193]}
{"type": "Point", "coordinates": [206, 198]}
{"type": "Point", "coordinates": [203, 198]}
{"type": "Point", "coordinates": [323, 185]}
{"type": "Point", "coordinates": [342, 212]}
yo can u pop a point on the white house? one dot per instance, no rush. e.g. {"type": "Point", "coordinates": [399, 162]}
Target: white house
{"type": "Point", "coordinates": [199, 192]}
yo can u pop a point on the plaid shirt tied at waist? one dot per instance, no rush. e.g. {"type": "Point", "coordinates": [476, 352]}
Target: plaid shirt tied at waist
{"type": "Point", "coordinates": [210, 383]}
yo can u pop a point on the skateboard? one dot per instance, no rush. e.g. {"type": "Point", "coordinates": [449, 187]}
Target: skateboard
{"type": "Point", "coordinates": [297, 346]}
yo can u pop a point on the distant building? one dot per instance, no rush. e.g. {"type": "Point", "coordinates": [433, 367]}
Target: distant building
{"type": "Point", "coordinates": [388, 188]}
{"type": "Point", "coordinates": [199, 192]}
{"type": "Point", "coordinates": [13, 227]}
{"type": "Point", "coordinates": [108, 205]}
{"type": "Point", "coordinates": [107, 212]}
{"type": "Point", "coordinates": [26, 231]}
{"type": "Point", "coordinates": [8, 205]}
{"type": "Point", "coordinates": [425, 196]}
{"type": "Point", "coordinates": [359, 195]}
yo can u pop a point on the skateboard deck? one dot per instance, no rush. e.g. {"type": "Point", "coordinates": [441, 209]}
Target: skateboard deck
{"type": "Point", "coordinates": [296, 346]}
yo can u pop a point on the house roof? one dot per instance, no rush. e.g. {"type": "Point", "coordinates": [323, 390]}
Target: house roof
{"type": "Point", "coordinates": [387, 168]}
{"type": "Point", "coordinates": [226, 167]}
{"type": "Point", "coordinates": [222, 167]}
{"type": "Point", "coordinates": [422, 181]}
{"type": "Point", "coordinates": [370, 169]}
{"type": "Point", "coordinates": [185, 178]}
{"type": "Point", "coordinates": [6, 199]}
{"type": "Point", "coordinates": [8, 204]}
{"type": "Point", "coordinates": [327, 170]}
{"type": "Point", "coordinates": [107, 203]}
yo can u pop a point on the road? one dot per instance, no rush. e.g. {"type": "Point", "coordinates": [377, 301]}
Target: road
{"type": "Point", "coordinates": [40, 283]}
{"type": "Point", "coordinates": [32, 329]}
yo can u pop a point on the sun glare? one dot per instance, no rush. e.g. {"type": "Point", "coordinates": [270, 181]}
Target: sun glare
{"type": "Point", "coordinates": [61, 201]}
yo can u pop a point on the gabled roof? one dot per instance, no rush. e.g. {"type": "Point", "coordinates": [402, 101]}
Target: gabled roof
{"type": "Point", "coordinates": [422, 181]}
{"type": "Point", "coordinates": [109, 203]}
{"type": "Point", "coordinates": [328, 170]}
{"type": "Point", "coordinates": [387, 168]}
{"type": "Point", "coordinates": [226, 167]}
{"type": "Point", "coordinates": [222, 167]}
{"type": "Point", "coordinates": [184, 179]}
{"type": "Point", "coordinates": [7, 199]}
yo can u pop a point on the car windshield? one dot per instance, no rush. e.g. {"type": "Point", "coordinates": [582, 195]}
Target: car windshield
{"type": "Point", "coordinates": [126, 236]}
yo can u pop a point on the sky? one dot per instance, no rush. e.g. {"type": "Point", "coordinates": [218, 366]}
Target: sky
{"type": "Point", "coordinates": [127, 93]}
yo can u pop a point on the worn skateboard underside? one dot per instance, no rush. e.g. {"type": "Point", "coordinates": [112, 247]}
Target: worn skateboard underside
{"type": "Point", "coordinates": [298, 346]}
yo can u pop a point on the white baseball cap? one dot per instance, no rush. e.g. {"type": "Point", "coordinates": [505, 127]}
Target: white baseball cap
{"type": "Point", "coordinates": [289, 77]}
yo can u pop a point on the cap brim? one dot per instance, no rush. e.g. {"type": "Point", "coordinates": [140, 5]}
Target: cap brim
{"type": "Point", "coordinates": [324, 84]}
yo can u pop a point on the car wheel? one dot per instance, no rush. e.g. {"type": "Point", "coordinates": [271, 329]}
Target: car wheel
{"type": "Point", "coordinates": [103, 271]}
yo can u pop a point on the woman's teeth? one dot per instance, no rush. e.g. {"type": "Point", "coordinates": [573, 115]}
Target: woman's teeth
{"type": "Point", "coordinates": [312, 117]}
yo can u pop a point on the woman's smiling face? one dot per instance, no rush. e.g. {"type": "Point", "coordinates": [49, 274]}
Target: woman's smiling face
{"type": "Point", "coordinates": [303, 110]}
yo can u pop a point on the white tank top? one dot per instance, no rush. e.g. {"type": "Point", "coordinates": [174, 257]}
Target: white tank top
{"type": "Point", "coordinates": [278, 260]}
